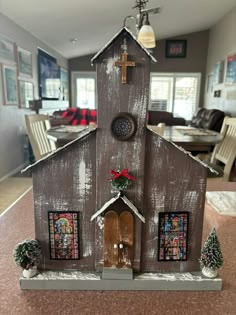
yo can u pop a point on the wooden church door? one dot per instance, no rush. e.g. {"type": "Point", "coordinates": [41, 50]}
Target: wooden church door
{"type": "Point", "coordinates": [118, 239]}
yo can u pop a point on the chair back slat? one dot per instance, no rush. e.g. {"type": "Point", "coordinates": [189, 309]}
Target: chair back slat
{"type": "Point", "coordinates": [51, 142]}
{"type": "Point", "coordinates": [225, 151]}
{"type": "Point", "coordinates": [37, 125]}
{"type": "Point", "coordinates": [38, 129]}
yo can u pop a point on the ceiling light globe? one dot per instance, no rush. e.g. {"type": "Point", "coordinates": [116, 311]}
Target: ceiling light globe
{"type": "Point", "coordinates": [146, 36]}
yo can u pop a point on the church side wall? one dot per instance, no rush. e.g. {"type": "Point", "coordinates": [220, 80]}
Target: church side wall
{"type": "Point", "coordinates": [174, 182]}
{"type": "Point", "coordinates": [66, 182]}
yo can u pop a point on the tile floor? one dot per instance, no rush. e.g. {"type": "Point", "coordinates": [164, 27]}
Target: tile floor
{"type": "Point", "coordinates": [11, 189]}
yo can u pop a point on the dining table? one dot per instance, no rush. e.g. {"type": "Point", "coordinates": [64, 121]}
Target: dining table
{"type": "Point", "coordinates": [62, 135]}
{"type": "Point", "coordinates": [190, 138]}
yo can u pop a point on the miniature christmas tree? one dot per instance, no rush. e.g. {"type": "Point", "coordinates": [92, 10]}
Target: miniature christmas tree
{"type": "Point", "coordinates": [27, 255]}
{"type": "Point", "coordinates": [211, 255]}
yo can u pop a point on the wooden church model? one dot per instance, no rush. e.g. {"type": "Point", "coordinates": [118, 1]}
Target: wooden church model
{"type": "Point", "coordinates": [82, 222]}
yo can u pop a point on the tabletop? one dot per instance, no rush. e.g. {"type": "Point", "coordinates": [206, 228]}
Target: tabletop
{"type": "Point", "coordinates": [189, 138]}
{"type": "Point", "coordinates": [65, 134]}
{"type": "Point", "coordinates": [192, 139]}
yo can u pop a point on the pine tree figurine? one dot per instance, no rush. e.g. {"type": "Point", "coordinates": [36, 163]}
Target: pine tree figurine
{"type": "Point", "coordinates": [211, 256]}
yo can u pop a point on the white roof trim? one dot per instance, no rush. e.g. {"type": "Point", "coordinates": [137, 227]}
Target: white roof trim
{"type": "Point", "coordinates": [132, 207]}
{"type": "Point", "coordinates": [112, 200]}
{"type": "Point", "coordinates": [83, 133]}
{"type": "Point", "coordinates": [114, 37]}
{"type": "Point", "coordinates": [105, 206]}
{"type": "Point", "coordinates": [184, 151]}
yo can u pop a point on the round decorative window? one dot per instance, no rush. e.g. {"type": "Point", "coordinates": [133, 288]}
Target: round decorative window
{"type": "Point", "coordinates": [123, 126]}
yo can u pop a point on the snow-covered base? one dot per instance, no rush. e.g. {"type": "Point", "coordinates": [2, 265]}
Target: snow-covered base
{"type": "Point", "coordinates": [54, 280]}
{"type": "Point", "coordinates": [209, 273]}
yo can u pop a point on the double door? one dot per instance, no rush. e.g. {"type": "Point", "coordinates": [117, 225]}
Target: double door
{"type": "Point", "coordinates": [118, 239]}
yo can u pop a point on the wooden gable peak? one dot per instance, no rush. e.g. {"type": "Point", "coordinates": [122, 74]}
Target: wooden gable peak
{"type": "Point", "coordinates": [125, 200]}
{"type": "Point", "coordinates": [83, 134]}
{"type": "Point", "coordinates": [123, 30]}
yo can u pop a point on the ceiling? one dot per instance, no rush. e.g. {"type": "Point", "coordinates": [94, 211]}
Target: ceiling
{"type": "Point", "coordinates": [93, 23]}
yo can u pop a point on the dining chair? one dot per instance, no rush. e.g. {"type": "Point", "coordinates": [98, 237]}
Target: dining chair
{"type": "Point", "coordinates": [225, 151]}
{"type": "Point", "coordinates": [37, 126]}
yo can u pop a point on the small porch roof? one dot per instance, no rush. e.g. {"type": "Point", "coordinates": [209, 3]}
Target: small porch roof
{"type": "Point", "coordinates": [125, 200]}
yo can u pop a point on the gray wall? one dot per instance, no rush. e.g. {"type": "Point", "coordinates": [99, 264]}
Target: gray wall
{"type": "Point", "coordinates": [12, 125]}
{"type": "Point", "coordinates": [197, 44]}
{"type": "Point", "coordinates": [222, 42]}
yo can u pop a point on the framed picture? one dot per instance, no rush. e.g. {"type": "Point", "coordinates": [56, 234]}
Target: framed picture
{"type": "Point", "coordinates": [24, 62]}
{"type": "Point", "coordinates": [64, 84]}
{"type": "Point", "coordinates": [176, 48]}
{"type": "Point", "coordinates": [64, 235]}
{"type": "Point", "coordinates": [173, 236]}
{"type": "Point", "coordinates": [218, 72]}
{"type": "Point", "coordinates": [230, 77]}
{"type": "Point", "coordinates": [10, 87]}
{"type": "Point", "coordinates": [7, 51]}
{"type": "Point", "coordinates": [26, 93]}
{"type": "Point", "coordinates": [210, 83]}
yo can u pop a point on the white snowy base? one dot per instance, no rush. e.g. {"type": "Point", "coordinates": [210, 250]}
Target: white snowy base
{"type": "Point", "coordinates": [54, 280]}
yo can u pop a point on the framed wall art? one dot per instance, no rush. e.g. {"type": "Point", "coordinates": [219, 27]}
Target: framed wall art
{"type": "Point", "coordinates": [64, 235]}
{"type": "Point", "coordinates": [10, 86]}
{"type": "Point", "coordinates": [64, 84]}
{"type": "Point", "coordinates": [176, 48]}
{"type": "Point", "coordinates": [210, 83]}
{"type": "Point", "coordinates": [173, 236]}
{"type": "Point", "coordinates": [230, 77]}
{"type": "Point", "coordinates": [7, 51]}
{"type": "Point", "coordinates": [24, 62]}
{"type": "Point", "coordinates": [218, 72]}
{"type": "Point", "coordinates": [26, 93]}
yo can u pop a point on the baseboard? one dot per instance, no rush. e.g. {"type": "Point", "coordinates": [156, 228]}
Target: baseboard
{"type": "Point", "coordinates": [15, 171]}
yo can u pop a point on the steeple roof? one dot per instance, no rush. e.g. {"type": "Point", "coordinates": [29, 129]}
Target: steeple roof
{"type": "Point", "coordinates": [123, 30]}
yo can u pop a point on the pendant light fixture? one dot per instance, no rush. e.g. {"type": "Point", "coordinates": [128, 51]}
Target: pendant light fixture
{"type": "Point", "coordinates": [145, 32]}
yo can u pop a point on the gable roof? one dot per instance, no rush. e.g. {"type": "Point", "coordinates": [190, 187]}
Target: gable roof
{"type": "Point", "coordinates": [123, 30]}
{"type": "Point", "coordinates": [112, 200]}
{"type": "Point", "coordinates": [82, 134]}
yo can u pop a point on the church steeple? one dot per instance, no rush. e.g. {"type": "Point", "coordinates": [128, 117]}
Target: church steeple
{"type": "Point", "coordinates": [122, 98]}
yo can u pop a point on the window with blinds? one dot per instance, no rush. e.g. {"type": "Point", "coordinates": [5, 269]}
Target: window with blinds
{"type": "Point", "coordinates": [177, 93]}
{"type": "Point", "coordinates": [161, 93]}
{"type": "Point", "coordinates": [84, 89]}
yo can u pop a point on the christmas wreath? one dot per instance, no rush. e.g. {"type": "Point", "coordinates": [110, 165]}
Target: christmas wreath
{"type": "Point", "coordinates": [121, 180]}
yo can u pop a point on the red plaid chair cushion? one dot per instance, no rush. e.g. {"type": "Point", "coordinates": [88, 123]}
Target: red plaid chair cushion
{"type": "Point", "coordinates": [80, 116]}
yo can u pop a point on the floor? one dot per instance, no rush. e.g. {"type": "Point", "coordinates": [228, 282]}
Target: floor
{"type": "Point", "coordinates": [11, 189]}
{"type": "Point", "coordinates": [17, 224]}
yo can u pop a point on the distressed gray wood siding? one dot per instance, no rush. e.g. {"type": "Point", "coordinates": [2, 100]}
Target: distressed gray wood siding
{"type": "Point", "coordinates": [173, 182]}
{"type": "Point", "coordinates": [67, 182]}
{"type": "Point", "coordinates": [114, 97]}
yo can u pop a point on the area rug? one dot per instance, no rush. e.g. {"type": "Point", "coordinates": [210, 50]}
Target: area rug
{"type": "Point", "coordinates": [224, 202]}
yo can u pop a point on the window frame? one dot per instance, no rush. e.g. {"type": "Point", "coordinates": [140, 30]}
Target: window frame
{"type": "Point", "coordinates": [80, 75]}
{"type": "Point", "coordinates": [176, 75]}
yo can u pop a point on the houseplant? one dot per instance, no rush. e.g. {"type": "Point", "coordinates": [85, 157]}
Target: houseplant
{"type": "Point", "coordinates": [211, 256]}
{"type": "Point", "coordinates": [27, 255]}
